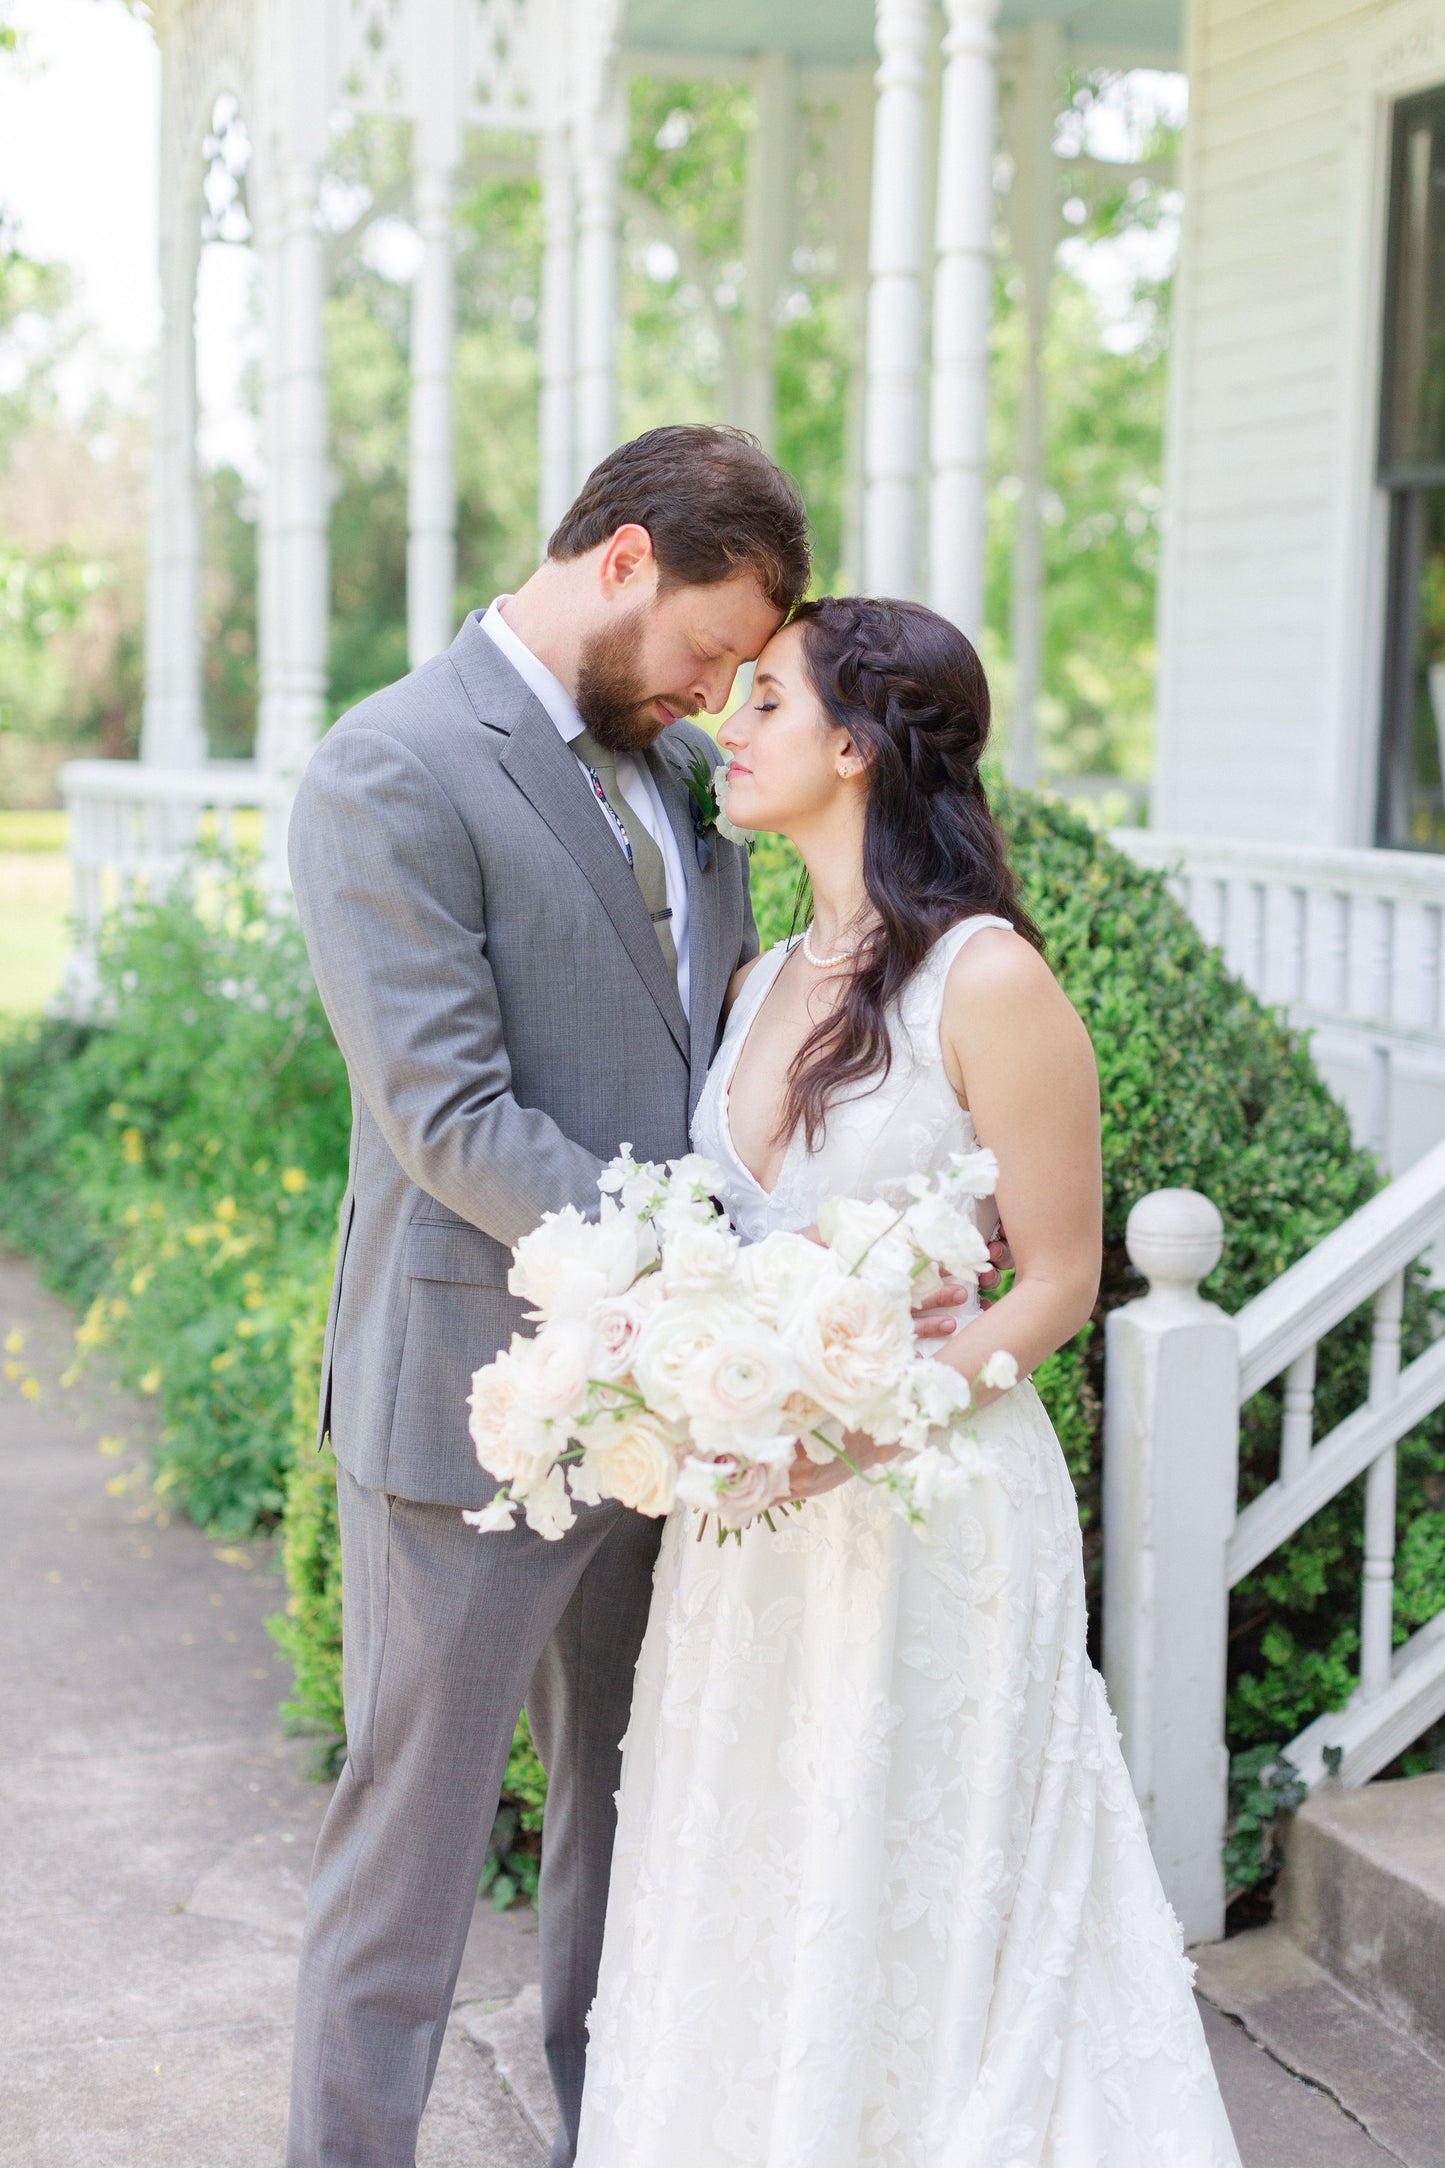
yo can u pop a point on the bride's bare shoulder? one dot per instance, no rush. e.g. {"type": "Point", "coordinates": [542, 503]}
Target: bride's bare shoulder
{"type": "Point", "coordinates": [1000, 993]}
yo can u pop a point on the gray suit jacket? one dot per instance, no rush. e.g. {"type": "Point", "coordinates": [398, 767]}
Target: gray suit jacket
{"type": "Point", "coordinates": [494, 982]}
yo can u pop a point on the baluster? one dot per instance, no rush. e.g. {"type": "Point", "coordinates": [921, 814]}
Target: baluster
{"type": "Point", "coordinates": [1221, 916]}
{"type": "Point", "coordinates": [1340, 952]}
{"type": "Point", "coordinates": [1383, 989]}
{"type": "Point", "coordinates": [1255, 966]}
{"type": "Point", "coordinates": [1296, 949]}
{"type": "Point", "coordinates": [1377, 1599]}
{"type": "Point", "coordinates": [1430, 967]}
{"type": "Point", "coordinates": [1297, 1432]}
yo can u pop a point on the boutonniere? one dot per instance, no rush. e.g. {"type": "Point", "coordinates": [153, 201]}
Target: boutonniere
{"type": "Point", "coordinates": [709, 809]}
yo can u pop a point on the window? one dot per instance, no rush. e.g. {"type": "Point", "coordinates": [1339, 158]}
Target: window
{"type": "Point", "coordinates": [1412, 470]}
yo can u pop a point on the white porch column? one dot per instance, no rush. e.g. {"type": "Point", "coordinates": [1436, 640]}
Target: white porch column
{"type": "Point", "coordinates": [1033, 217]}
{"type": "Point", "coordinates": [173, 731]}
{"type": "Point", "coordinates": [962, 306]}
{"type": "Point", "coordinates": [265, 209]}
{"type": "Point", "coordinates": [431, 509]}
{"type": "Point", "coordinates": [296, 499]}
{"type": "Point", "coordinates": [599, 141]}
{"type": "Point", "coordinates": [1171, 1467]}
{"type": "Point", "coordinates": [556, 468]}
{"type": "Point", "coordinates": [892, 426]}
{"type": "Point", "coordinates": [767, 236]}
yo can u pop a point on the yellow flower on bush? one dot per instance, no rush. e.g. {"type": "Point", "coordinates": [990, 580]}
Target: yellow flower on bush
{"type": "Point", "coordinates": [226, 1209]}
{"type": "Point", "coordinates": [30, 1389]}
{"type": "Point", "coordinates": [293, 1180]}
{"type": "Point", "coordinates": [197, 1235]}
{"type": "Point", "coordinates": [132, 1147]}
{"type": "Point", "coordinates": [224, 1360]}
{"type": "Point", "coordinates": [141, 1280]}
{"type": "Point", "coordinates": [14, 1340]}
{"type": "Point", "coordinates": [151, 1382]}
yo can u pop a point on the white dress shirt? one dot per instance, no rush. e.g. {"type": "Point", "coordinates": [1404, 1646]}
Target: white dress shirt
{"type": "Point", "coordinates": [634, 778]}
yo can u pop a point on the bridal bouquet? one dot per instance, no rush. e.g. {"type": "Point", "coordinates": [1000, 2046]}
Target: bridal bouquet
{"type": "Point", "coordinates": [674, 1363]}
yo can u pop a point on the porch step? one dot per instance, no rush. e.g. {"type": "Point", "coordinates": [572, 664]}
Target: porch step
{"type": "Point", "coordinates": [1385, 2096]}
{"type": "Point", "coordinates": [1363, 1894]}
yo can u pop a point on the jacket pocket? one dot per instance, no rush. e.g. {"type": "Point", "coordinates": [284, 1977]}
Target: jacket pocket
{"type": "Point", "coordinates": [441, 1250]}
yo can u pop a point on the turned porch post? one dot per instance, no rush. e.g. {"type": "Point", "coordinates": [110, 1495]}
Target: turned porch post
{"type": "Point", "coordinates": [556, 464]}
{"type": "Point", "coordinates": [893, 420]}
{"type": "Point", "coordinates": [431, 514]}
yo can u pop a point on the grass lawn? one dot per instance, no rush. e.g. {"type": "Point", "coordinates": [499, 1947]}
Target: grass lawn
{"type": "Point", "coordinates": [34, 904]}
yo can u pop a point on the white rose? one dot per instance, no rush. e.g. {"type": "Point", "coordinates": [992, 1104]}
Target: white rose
{"type": "Point", "coordinates": [854, 1229]}
{"type": "Point", "coordinates": [673, 1338]}
{"type": "Point", "coordinates": [945, 1232]}
{"type": "Point", "coordinates": [741, 1379]}
{"type": "Point", "coordinates": [853, 1343]}
{"type": "Point", "coordinates": [698, 1257]}
{"type": "Point", "coordinates": [488, 1520]}
{"type": "Point", "coordinates": [1001, 1371]}
{"type": "Point", "coordinates": [778, 1274]}
{"type": "Point", "coordinates": [552, 1371]}
{"type": "Point", "coordinates": [549, 1509]}
{"type": "Point", "coordinates": [634, 1462]}
{"type": "Point", "coordinates": [615, 1323]}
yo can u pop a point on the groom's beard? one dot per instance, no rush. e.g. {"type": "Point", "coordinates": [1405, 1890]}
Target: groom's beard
{"type": "Point", "coordinates": [610, 696]}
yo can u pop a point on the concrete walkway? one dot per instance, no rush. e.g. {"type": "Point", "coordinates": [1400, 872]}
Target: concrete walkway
{"type": "Point", "coordinates": [156, 1829]}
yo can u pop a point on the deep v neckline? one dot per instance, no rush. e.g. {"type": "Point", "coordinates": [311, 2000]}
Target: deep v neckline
{"type": "Point", "coordinates": [725, 1097]}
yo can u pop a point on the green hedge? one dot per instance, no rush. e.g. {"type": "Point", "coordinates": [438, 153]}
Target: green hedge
{"type": "Point", "coordinates": [176, 1174]}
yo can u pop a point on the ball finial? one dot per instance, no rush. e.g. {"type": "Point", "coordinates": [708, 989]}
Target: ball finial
{"type": "Point", "coordinates": [1175, 1238]}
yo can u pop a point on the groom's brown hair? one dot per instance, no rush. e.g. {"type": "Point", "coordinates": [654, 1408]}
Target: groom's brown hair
{"type": "Point", "coordinates": [712, 501]}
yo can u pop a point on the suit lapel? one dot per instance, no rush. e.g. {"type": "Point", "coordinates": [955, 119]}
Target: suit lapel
{"type": "Point", "coordinates": [547, 773]}
{"type": "Point", "coordinates": [708, 966]}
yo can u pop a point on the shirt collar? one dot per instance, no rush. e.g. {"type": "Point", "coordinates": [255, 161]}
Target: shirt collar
{"type": "Point", "coordinates": [535, 675]}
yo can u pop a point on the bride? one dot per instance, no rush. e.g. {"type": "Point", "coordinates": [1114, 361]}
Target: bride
{"type": "Point", "coordinates": [881, 1896]}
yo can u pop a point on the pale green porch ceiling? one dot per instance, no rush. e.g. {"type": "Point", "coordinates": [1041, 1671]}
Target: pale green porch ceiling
{"type": "Point", "coordinates": [836, 33]}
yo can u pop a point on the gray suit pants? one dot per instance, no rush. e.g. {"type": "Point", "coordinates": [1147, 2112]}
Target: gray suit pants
{"type": "Point", "coordinates": [445, 1634]}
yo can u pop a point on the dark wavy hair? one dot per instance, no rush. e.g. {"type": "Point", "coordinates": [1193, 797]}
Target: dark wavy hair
{"type": "Point", "coordinates": [911, 692]}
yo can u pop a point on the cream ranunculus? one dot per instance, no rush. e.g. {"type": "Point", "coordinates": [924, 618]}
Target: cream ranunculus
{"type": "Point", "coordinates": [673, 1338]}
{"type": "Point", "coordinates": [512, 1445]}
{"type": "Point", "coordinates": [737, 1491]}
{"type": "Point", "coordinates": [698, 1257]}
{"type": "Point", "coordinates": [740, 1380]}
{"type": "Point", "coordinates": [634, 1461]}
{"type": "Point", "coordinates": [853, 1343]}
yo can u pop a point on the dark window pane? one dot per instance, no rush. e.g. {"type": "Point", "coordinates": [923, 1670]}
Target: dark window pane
{"type": "Point", "coordinates": [1412, 801]}
{"type": "Point", "coordinates": [1413, 435]}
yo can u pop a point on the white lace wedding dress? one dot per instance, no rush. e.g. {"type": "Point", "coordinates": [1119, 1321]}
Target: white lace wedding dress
{"type": "Point", "coordinates": [881, 1896]}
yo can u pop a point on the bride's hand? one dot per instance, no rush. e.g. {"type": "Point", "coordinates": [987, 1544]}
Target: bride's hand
{"type": "Point", "coordinates": [810, 1478]}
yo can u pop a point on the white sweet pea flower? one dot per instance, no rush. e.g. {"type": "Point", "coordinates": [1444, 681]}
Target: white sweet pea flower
{"type": "Point", "coordinates": [639, 1185]}
{"type": "Point", "coordinates": [1001, 1371]}
{"type": "Point", "coordinates": [945, 1232]}
{"type": "Point", "coordinates": [583, 1484]}
{"type": "Point", "coordinates": [568, 1263]}
{"type": "Point", "coordinates": [491, 1519]}
{"type": "Point", "coordinates": [549, 1509]}
{"type": "Point", "coordinates": [938, 1392]}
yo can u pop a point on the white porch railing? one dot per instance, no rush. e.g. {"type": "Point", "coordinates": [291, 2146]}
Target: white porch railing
{"type": "Point", "coordinates": [1351, 943]}
{"type": "Point", "coordinates": [134, 829]}
{"type": "Point", "coordinates": [1175, 1541]}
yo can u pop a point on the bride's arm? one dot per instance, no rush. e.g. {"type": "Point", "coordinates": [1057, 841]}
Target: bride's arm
{"type": "Point", "coordinates": [1019, 1058]}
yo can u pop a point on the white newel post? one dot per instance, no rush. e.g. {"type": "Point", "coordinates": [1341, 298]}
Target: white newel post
{"type": "Point", "coordinates": [962, 307]}
{"type": "Point", "coordinates": [556, 471]}
{"type": "Point", "coordinates": [892, 423]}
{"type": "Point", "coordinates": [1171, 1459]}
{"type": "Point", "coordinates": [599, 142]}
{"type": "Point", "coordinates": [767, 236]}
{"type": "Point", "coordinates": [173, 732]}
{"type": "Point", "coordinates": [431, 514]}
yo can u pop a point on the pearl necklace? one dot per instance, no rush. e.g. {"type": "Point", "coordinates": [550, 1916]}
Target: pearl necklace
{"type": "Point", "coordinates": [824, 963]}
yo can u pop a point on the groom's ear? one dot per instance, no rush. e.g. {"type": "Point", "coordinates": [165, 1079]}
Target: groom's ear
{"type": "Point", "coordinates": [627, 568]}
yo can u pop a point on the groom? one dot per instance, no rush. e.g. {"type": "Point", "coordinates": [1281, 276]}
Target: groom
{"type": "Point", "coordinates": [522, 935]}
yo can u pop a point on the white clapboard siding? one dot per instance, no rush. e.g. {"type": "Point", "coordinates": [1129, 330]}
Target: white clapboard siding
{"type": "Point", "coordinates": [1268, 700]}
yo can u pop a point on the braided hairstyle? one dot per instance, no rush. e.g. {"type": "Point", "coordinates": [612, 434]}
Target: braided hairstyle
{"type": "Point", "coordinates": [911, 692]}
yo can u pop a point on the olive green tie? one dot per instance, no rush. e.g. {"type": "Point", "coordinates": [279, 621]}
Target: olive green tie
{"type": "Point", "coordinates": [647, 860]}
